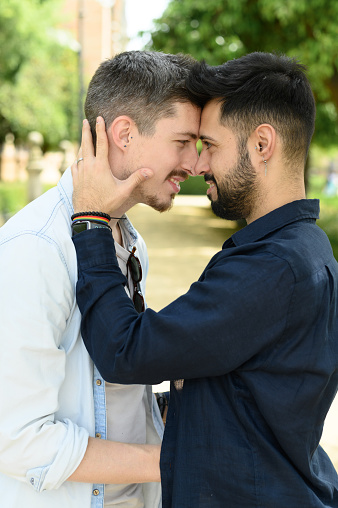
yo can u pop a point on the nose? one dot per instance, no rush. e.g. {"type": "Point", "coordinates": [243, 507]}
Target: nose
{"type": "Point", "coordinates": [202, 166]}
{"type": "Point", "coordinates": [191, 161]}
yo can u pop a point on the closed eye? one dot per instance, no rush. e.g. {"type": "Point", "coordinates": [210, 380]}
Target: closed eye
{"type": "Point", "coordinates": [206, 144]}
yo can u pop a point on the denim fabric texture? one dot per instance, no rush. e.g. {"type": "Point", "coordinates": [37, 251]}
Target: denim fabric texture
{"type": "Point", "coordinates": [51, 400]}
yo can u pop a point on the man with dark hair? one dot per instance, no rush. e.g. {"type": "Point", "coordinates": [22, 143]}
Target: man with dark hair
{"type": "Point", "coordinates": [59, 420]}
{"type": "Point", "coordinates": [254, 340]}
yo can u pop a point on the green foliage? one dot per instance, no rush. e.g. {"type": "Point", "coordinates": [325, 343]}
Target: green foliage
{"type": "Point", "coordinates": [328, 210]}
{"type": "Point", "coordinates": [194, 186]}
{"type": "Point", "coordinates": [14, 196]}
{"type": "Point", "coordinates": [37, 78]}
{"type": "Point", "coordinates": [221, 30]}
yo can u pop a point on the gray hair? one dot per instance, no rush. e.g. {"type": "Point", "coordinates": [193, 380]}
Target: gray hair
{"type": "Point", "coordinates": [144, 85]}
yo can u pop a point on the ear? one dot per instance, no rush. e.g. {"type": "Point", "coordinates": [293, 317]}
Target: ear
{"type": "Point", "coordinates": [120, 131]}
{"type": "Point", "coordinates": [263, 141]}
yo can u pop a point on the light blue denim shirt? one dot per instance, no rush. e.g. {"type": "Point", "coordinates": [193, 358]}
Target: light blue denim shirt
{"type": "Point", "coordinates": [48, 407]}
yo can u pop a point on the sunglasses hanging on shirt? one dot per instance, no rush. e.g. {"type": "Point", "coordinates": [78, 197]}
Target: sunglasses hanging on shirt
{"type": "Point", "coordinates": [135, 269]}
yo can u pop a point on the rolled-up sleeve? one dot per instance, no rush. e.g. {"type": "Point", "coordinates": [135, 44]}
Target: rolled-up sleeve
{"type": "Point", "coordinates": [36, 299]}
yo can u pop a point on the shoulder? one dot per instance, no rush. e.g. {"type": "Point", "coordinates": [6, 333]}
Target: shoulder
{"type": "Point", "coordinates": [304, 246]}
{"type": "Point", "coordinates": [43, 226]}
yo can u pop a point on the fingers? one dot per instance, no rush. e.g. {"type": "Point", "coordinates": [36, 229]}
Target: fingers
{"type": "Point", "coordinates": [74, 166]}
{"type": "Point", "coordinates": [87, 140]}
{"type": "Point", "coordinates": [101, 139]}
{"type": "Point", "coordinates": [87, 147]}
{"type": "Point", "coordinates": [74, 169]}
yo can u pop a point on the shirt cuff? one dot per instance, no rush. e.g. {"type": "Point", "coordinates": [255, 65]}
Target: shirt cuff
{"type": "Point", "coordinates": [66, 461]}
{"type": "Point", "coordinates": [95, 247]}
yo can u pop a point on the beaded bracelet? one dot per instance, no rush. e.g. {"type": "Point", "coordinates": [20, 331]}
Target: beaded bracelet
{"type": "Point", "coordinates": [91, 218]}
{"type": "Point", "coordinates": [96, 214]}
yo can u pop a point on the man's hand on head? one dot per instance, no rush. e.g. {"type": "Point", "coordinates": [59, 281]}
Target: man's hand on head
{"type": "Point", "coordinates": [95, 187]}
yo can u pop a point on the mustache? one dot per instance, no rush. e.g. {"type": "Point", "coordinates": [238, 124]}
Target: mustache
{"type": "Point", "coordinates": [209, 178]}
{"type": "Point", "coordinates": [178, 172]}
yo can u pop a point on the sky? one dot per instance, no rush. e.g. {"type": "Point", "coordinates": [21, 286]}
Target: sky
{"type": "Point", "coordinates": [139, 14]}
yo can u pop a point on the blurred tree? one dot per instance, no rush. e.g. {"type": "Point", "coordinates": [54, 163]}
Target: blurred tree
{"type": "Point", "coordinates": [38, 78]}
{"type": "Point", "coordinates": [219, 30]}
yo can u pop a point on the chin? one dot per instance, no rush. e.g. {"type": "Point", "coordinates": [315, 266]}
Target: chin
{"type": "Point", "coordinates": [158, 205]}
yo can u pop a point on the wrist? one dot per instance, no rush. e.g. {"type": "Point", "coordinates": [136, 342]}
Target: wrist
{"type": "Point", "coordinates": [96, 215]}
{"type": "Point", "coordinates": [78, 226]}
{"type": "Point", "coordinates": [82, 221]}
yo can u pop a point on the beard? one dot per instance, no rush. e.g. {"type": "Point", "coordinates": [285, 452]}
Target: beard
{"type": "Point", "coordinates": [159, 204]}
{"type": "Point", "coordinates": [237, 191]}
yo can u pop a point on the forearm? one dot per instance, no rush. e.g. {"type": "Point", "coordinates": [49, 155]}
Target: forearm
{"type": "Point", "coordinates": [112, 462]}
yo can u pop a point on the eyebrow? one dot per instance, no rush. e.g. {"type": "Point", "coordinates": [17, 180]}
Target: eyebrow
{"type": "Point", "coordinates": [202, 137]}
{"type": "Point", "coordinates": [189, 134]}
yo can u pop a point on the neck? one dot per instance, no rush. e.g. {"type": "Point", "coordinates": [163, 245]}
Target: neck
{"type": "Point", "coordinates": [117, 215]}
{"type": "Point", "coordinates": [271, 199]}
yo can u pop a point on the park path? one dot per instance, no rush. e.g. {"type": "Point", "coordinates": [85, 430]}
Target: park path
{"type": "Point", "coordinates": [180, 244]}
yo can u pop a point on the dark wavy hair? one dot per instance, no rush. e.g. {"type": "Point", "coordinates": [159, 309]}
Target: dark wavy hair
{"type": "Point", "coordinates": [260, 88]}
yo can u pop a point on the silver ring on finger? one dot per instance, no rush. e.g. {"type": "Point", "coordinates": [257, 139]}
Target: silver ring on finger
{"type": "Point", "coordinates": [80, 159]}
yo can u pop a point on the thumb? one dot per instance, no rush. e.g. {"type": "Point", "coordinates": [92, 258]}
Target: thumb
{"type": "Point", "coordinates": [136, 178]}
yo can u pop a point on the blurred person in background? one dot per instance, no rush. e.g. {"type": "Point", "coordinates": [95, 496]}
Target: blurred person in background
{"type": "Point", "coordinates": [61, 425]}
{"type": "Point", "coordinates": [252, 347]}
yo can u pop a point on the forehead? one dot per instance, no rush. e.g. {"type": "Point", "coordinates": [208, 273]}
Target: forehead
{"type": "Point", "coordinates": [185, 121]}
{"type": "Point", "coordinates": [210, 118]}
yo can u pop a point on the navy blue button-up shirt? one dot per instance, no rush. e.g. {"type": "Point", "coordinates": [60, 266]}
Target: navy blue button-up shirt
{"type": "Point", "coordinates": [256, 342]}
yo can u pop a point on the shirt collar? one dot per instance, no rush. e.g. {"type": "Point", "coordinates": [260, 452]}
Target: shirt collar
{"type": "Point", "coordinates": [129, 229]}
{"type": "Point", "coordinates": [286, 214]}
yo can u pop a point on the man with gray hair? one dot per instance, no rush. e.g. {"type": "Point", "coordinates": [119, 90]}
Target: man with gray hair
{"type": "Point", "coordinates": [63, 430]}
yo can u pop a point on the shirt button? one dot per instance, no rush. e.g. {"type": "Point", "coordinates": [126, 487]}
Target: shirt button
{"type": "Point", "coordinates": [32, 481]}
{"type": "Point", "coordinates": [98, 435]}
{"type": "Point", "coordinates": [96, 492]}
{"type": "Point", "coordinates": [98, 382]}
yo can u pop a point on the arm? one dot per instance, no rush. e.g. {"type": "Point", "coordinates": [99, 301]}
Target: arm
{"type": "Point", "coordinates": [217, 326]}
{"type": "Point", "coordinates": [36, 446]}
{"type": "Point", "coordinates": [36, 300]}
{"type": "Point", "coordinates": [207, 332]}
{"type": "Point", "coordinates": [111, 462]}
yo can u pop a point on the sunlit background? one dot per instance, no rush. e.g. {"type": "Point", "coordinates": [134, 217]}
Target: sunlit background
{"type": "Point", "coordinates": [51, 48]}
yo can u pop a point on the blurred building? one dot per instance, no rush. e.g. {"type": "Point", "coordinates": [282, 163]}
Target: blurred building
{"type": "Point", "coordinates": [99, 27]}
